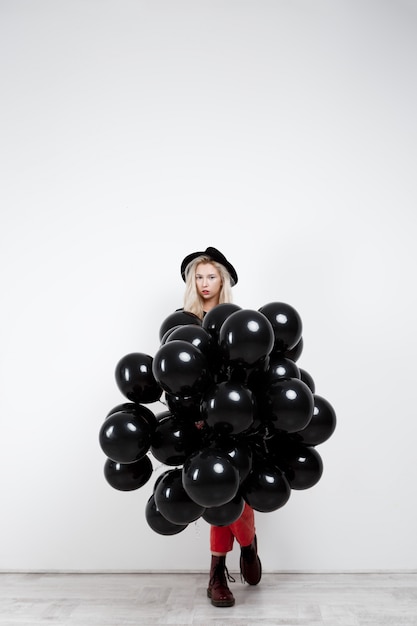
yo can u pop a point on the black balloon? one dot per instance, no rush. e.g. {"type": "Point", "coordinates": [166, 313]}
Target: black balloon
{"type": "Point", "coordinates": [286, 323]}
{"type": "Point", "coordinates": [135, 379]}
{"type": "Point", "coordinates": [288, 405]}
{"type": "Point", "coordinates": [181, 369]}
{"type": "Point", "coordinates": [168, 333]}
{"type": "Point", "coordinates": [280, 367]}
{"type": "Point", "coordinates": [210, 477]}
{"type": "Point", "coordinates": [158, 522]}
{"type": "Point", "coordinates": [214, 319]}
{"type": "Point", "coordinates": [321, 425]}
{"type": "Point", "coordinates": [266, 489]}
{"type": "Point", "coordinates": [246, 337]}
{"type": "Point", "coordinates": [303, 466]}
{"type": "Point", "coordinates": [178, 318]}
{"type": "Point", "coordinates": [125, 437]}
{"type": "Point", "coordinates": [160, 477]}
{"type": "Point", "coordinates": [226, 513]}
{"type": "Point", "coordinates": [137, 409]}
{"type": "Point", "coordinates": [173, 502]}
{"type": "Point", "coordinates": [130, 476]}
{"type": "Point", "coordinates": [228, 408]}
{"type": "Point", "coordinates": [296, 351]}
{"type": "Point", "coordinates": [174, 439]}
{"type": "Point", "coordinates": [196, 335]}
{"type": "Point", "coordinates": [129, 407]}
{"type": "Point", "coordinates": [241, 454]}
{"type": "Point", "coordinates": [307, 379]}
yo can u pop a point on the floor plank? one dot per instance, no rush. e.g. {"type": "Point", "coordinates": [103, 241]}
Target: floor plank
{"type": "Point", "coordinates": [376, 599]}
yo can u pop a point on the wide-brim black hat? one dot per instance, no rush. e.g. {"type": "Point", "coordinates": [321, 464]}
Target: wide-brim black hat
{"type": "Point", "coordinates": [214, 255]}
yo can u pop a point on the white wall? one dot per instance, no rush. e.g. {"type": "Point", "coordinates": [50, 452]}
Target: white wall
{"type": "Point", "coordinates": [133, 133]}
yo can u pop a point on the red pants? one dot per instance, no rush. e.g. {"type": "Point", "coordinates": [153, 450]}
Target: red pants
{"type": "Point", "coordinates": [222, 537]}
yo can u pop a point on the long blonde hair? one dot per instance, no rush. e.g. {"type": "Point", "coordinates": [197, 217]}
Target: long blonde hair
{"type": "Point", "coordinates": [192, 301]}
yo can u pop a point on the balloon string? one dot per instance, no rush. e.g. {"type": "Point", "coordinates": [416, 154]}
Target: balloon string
{"type": "Point", "coordinates": [197, 530]}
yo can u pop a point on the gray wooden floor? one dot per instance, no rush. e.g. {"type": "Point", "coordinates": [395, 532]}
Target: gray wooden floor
{"type": "Point", "coordinates": [379, 599]}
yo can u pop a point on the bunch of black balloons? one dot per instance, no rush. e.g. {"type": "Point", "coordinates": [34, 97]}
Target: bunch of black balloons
{"type": "Point", "coordinates": [241, 419]}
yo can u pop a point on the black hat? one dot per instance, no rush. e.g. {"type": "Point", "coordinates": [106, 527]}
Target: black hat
{"type": "Point", "coordinates": [214, 255]}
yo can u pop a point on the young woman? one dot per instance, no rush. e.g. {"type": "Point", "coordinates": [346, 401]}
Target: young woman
{"type": "Point", "coordinates": [209, 278]}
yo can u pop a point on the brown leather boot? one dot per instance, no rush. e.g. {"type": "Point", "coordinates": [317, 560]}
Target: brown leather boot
{"type": "Point", "coordinates": [218, 590]}
{"type": "Point", "coordinates": [250, 565]}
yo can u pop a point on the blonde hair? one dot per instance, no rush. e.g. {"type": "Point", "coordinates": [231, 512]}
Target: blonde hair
{"type": "Point", "coordinates": [192, 301]}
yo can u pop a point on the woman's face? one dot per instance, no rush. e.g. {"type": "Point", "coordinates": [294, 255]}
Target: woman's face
{"type": "Point", "coordinates": [209, 283]}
